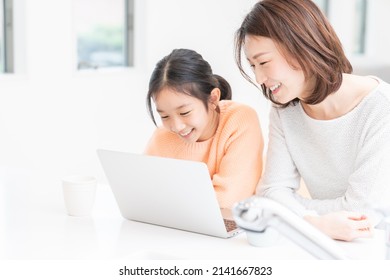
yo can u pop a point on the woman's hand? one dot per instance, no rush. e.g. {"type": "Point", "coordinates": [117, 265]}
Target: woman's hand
{"type": "Point", "coordinates": [342, 225]}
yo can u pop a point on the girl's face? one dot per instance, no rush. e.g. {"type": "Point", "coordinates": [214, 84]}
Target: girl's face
{"type": "Point", "coordinates": [271, 69]}
{"type": "Point", "coordinates": [185, 115]}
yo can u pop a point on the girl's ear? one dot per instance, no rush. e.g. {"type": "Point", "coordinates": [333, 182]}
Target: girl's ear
{"type": "Point", "coordinates": [215, 95]}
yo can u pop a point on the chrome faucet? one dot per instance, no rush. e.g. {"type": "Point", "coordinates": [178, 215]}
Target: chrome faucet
{"type": "Point", "coordinates": [258, 213]}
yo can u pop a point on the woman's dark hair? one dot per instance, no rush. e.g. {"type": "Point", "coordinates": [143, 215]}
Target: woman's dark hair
{"type": "Point", "coordinates": [301, 32]}
{"type": "Point", "coordinates": [187, 72]}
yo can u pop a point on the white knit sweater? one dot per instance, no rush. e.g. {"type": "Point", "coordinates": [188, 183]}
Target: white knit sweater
{"type": "Point", "coordinates": [345, 162]}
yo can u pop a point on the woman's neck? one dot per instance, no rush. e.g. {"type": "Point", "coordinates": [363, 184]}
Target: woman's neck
{"type": "Point", "coordinates": [351, 92]}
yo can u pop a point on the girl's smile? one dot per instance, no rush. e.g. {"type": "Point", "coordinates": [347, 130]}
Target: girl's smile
{"type": "Point", "coordinates": [186, 116]}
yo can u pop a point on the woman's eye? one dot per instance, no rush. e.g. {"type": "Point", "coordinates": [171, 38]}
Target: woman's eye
{"type": "Point", "coordinates": [262, 63]}
{"type": "Point", "coordinates": [163, 117]}
{"type": "Point", "coordinates": [185, 113]}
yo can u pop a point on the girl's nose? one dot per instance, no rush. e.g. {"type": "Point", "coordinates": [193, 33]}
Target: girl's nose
{"type": "Point", "coordinates": [177, 125]}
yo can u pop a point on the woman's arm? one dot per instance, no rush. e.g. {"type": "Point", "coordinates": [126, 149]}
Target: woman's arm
{"type": "Point", "coordinates": [342, 225]}
{"type": "Point", "coordinates": [369, 183]}
{"type": "Point", "coordinates": [281, 179]}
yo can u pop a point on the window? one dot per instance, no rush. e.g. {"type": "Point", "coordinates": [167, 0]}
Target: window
{"type": "Point", "coordinates": [348, 17]}
{"type": "Point", "coordinates": [359, 41]}
{"type": "Point", "coordinates": [6, 36]}
{"type": "Point", "coordinates": [104, 32]}
{"type": "Point", "coordinates": [2, 52]}
{"type": "Point", "coordinates": [324, 6]}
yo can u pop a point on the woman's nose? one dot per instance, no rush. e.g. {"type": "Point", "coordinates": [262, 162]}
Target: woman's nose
{"type": "Point", "coordinates": [260, 76]}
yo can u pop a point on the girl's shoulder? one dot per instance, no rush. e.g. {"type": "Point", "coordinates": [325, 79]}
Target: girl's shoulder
{"type": "Point", "coordinates": [162, 143]}
{"type": "Point", "coordinates": [231, 109]}
{"type": "Point", "coordinates": [161, 133]}
{"type": "Point", "coordinates": [235, 115]}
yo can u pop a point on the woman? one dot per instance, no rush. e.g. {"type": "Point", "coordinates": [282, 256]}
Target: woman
{"type": "Point", "coordinates": [200, 123]}
{"type": "Point", "coordinates": [327, 126]}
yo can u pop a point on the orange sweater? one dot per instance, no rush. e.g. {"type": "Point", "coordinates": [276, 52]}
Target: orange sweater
{"type": "Point", "coordinates": [233, 155]}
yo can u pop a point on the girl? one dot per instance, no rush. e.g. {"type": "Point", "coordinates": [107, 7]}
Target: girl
{"type": "Point", "coordinates": [200, 123]}
{"type": "Point", "coordinates": [327, 126]}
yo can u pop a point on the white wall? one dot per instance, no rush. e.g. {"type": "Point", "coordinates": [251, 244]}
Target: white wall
{"type": "Point", "coordinates": [52, 118]}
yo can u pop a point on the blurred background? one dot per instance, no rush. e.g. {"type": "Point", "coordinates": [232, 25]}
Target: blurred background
{"type": "Point", "coordinates": [74, 74]}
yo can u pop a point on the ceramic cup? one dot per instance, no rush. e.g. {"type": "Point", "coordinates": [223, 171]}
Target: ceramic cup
{"type": "Point", "coordinates": [79, 194]}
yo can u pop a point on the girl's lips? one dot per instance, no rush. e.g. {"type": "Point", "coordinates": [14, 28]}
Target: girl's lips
{"type": "Point", "coordinates": [187, 134]}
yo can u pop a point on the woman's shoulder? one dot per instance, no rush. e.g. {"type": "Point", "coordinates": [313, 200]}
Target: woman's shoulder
{"type": "Point", "coordinates": [377, 97]}
{"type": "Point", "coordinates": [384, 89]}
{"type": "Point", "coordinates": [376, 104]}
{"type": "Point", "coordinates": [291, 110]}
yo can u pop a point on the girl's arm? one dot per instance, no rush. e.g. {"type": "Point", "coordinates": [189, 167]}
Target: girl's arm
{"type": "Point", "coordinates": [241, 165]}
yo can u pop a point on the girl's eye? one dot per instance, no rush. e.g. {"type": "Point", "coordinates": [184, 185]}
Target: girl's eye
{"type": "Point", "coordinates": [163, 117]}
{"type": "Point", "coordinates": [252, 66]}
{"type": "Point", "coordinates": [262, 63]}
{"type": "Point", "coordinates": [185, 113]}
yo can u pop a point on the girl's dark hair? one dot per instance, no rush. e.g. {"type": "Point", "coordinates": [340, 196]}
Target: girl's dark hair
{"type": "Point", "coordinates": [187, 72]}
{"type": "Point", "coordinates": [301, 32]}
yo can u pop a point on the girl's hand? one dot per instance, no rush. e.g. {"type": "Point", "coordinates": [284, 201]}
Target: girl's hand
{"type": "Point", "coordinates": [342, 225]}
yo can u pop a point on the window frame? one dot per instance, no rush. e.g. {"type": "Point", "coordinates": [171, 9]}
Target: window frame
{"type": "Point", "coordinates": [129, 42]}
{"type": "Point", "coordinates": [2, 39]}
{"type": "Point", "coordinates": [356, 22]}
{"type": "Point", "coordinates": [7, 46]}
{"type": "Point", "coordinates": [361, 30]}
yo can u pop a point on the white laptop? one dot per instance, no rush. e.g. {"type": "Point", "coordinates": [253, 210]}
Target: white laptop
{"type": "Point", "coordinates": [167, 192]}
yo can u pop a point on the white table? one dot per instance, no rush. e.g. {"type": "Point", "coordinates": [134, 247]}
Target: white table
{"type": "Point", "coordinates": [34, 225]}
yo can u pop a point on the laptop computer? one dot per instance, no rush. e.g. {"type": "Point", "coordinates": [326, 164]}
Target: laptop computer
{"type": "Point", "coordinates": [167, 192]}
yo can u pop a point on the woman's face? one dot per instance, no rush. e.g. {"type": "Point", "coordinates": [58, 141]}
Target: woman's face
{"type": "Point", "coordinates": [270, 67]}
{"type": "Point", "coordinates": [185, 115]}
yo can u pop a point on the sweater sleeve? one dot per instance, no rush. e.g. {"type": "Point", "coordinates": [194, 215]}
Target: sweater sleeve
{"type": "Point", "coordinates": [281, 179]}
{"type": "Point", "coordinates": [369, 183]}
{"type": "Point", "coordinates": [152, 147]}
{"type": "Point", "coordinates": [241, 165]}
{"type": "Point", "coordinates": [162, 143]}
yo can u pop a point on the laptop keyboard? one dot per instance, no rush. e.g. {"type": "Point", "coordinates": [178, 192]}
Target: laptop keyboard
{"type": "Point", "coordinates": [230, 225]}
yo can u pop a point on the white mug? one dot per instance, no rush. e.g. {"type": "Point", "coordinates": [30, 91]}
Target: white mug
{"type": "Point", "coordinates": [79, 194]}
